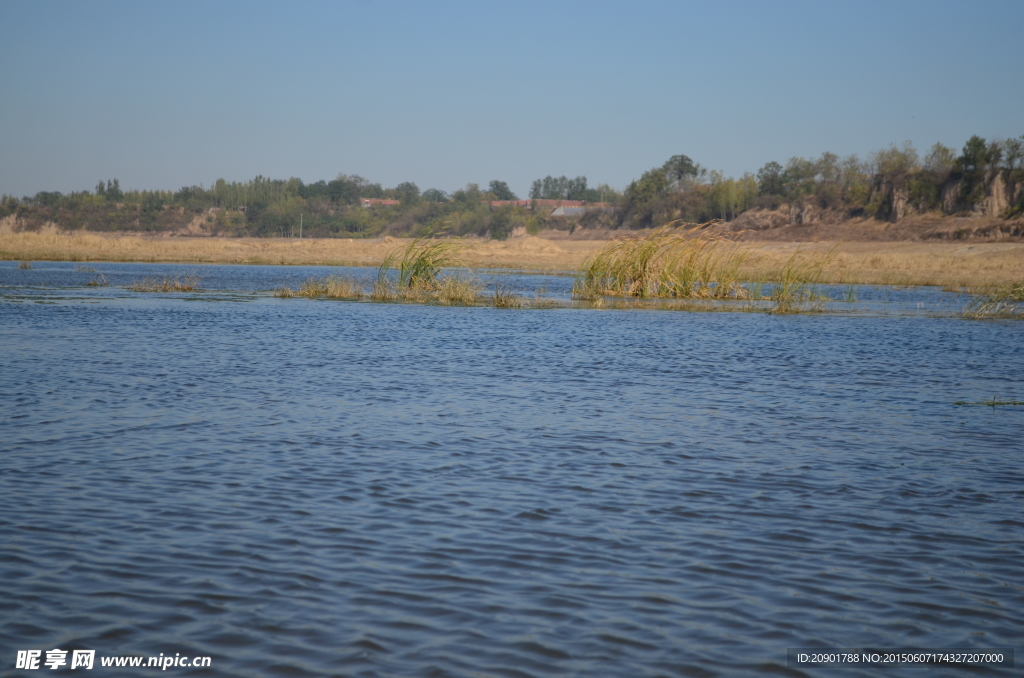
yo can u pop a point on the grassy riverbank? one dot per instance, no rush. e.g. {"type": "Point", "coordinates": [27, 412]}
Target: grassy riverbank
{"type": "Point", "coordinates": [976, 267]}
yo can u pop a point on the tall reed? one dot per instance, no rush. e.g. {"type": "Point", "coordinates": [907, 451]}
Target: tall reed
{"type": "Point", "coordinates": [456, 290]}
{"type": "Point", "coordinates": [504, 297]}
{"type": "Point", "coordinates": [1006, 301]}
{"type": "Point", "coordinates": [332, 287]}
{"type": "Point", "coordinates": [420, 268]}
{"type": "Point", "coordinates": [420, 264]}
{"type": "Point", "coordinates": [673, 261]}
{"type": "Point", "coordinates": [798, 282]}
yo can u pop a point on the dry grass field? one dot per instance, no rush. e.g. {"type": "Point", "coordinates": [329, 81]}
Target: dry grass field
{"type": "Point", "coordinates": [974, 266]}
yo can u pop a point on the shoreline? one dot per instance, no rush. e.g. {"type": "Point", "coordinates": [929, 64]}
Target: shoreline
{"type": "Point", "coordinates": [953, 265]}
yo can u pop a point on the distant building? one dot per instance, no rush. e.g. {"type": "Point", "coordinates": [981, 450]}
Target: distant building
{"type": "Point", "coordinates": [568, 211]}
{"type": "Point", "coordinates": [370, 202]}
{"type": "Point", "coordinates": [568, 207]}
{"type": "Point", "coordinates": [509, 203]}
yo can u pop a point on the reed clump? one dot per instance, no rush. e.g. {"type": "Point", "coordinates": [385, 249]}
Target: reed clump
{"type": "Point", "coordinates": [504, 297]}
{"type": "Point", "coordinates": [798, 281]}
{"type": "Point", "coordinates": [456, 290]}
{"type": "Point", "coordinates": [422, 278]}
{"type": "Point", "coordinates": [672, 262]}
{"type": "Point", "coordinates": [176, 284]}
{"type": "Point", "coordinates": [99, 281]}
{"type": "Point", "coordinates": [25, 265]}
{"type": "Point", "coordinates": [420, 263]}
{"type": "Point", "coordinates": [1005, 301]}
{"type": "Point", "coordinates": [331, 287]}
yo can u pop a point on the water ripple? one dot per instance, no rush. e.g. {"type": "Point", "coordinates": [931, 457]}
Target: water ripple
{"type": "Point", "coordinates": [311, 489]}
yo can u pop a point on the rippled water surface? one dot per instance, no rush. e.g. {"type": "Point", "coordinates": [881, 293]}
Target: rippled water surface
{"type": "Point", "coordinates": [310, 488]}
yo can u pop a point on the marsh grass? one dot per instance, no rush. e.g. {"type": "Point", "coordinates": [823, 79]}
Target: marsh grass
{"type": "Point", "coordinates": [504, 297]}
{"type": "Point", "coordinates": [796, 290]}
{"type": "Point", "coordinates": [420, 263]}
{"type": "Point", "coordinates": [688, 263]}
{"type": "Point", "coordinates": [99, 281]}
{"type": "Point", "coordinates": [189, 283]}
{"type": "Point", "coordinates": [945, 264]}
{"type": "Point", "coordinates": [25, 265]}
{"type": "Point", "coordinates": [457, 290]}
{"type": "Point", "coordinates": [673, 261]}
{"type": "Point", "coordinates": [331, 287]}
{"type": "Point", "coordinates": [422, 278]}
{"type": "Point", "coordinates": [1005, 301]}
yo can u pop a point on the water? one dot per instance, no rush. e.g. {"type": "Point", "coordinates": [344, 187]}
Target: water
{"type": "Point", "coordinates": [47, 282]}
{"type": "Point", "coordinates": [309, 488]}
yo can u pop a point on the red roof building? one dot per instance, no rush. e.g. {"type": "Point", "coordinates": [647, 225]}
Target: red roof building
{"type": "Point", "coordinates": [549, 204]}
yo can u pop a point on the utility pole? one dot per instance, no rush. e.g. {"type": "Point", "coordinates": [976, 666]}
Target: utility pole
{"type": "Point", "coordinates": [300, 227]}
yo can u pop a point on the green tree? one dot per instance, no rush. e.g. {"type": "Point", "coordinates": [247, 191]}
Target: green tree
{"type": "Point", "coordinates": [939, 161]}
{"type": "Point", "coordinates": [435, 195]}
{"type": "Point", "coordinates": [559, 188]}
{"type": "Point", "coordinates": [799, 177]}
{"type": "Point", "coordinates": [470, 196]}
{"type": "Point", "coordinates": [408, 193]}
{"type": "Point", "coordinates": [680, 168]}
{"type": "Point", "coordinates": [641, 198]}
{"type": "Point", "coordinates": [769, 179]}
{"type": "Point", "coordinates": [971, 167]}
{"type": "Point", "coordinates": [896, 162]}
{"type": "Point", "coordinates": [343, 190]}
{"type": "Point", "coordinates": [501, 191]}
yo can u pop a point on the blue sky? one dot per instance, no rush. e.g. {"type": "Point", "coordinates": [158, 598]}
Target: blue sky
{"type": "Point", "coordinates": [166, 94]}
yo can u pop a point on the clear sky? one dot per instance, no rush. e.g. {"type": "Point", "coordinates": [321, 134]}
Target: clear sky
{"type": "Point", "coordinates": [167, 94]}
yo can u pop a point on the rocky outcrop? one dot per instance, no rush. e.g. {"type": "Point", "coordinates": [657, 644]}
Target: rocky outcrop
{"type": "Point", "coordinates": [892, 200]}
{"type": "Point", "coordinates": [995, 203]}
{"type": "Point", "coordinates": [951, 191]}
{"type": "Point", "coordinates": [999, 196]}
{"type": "Point", "coordinates": [759, 220]}
{"type": "Point", "coordinates": [807, 211]}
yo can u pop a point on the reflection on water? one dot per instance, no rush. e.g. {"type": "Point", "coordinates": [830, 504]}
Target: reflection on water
{"type": "Point", "coordinates": [301, 488]}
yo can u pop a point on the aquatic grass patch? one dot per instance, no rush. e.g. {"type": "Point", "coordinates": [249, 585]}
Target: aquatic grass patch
{"type": "Point", "coordinates": [424, 275]}
{"type": "Point", "coordinates": [677, 262]}
{"type": "Point", "coordinates": [672, 261]}
{"type": "Point", "coordinates": [798, 282]}
{"type": "Point", "coordinates": [457, 290]}
{"type": "Point", "coordinates": [504, 297]}
{"type": "Point", "coordinates": [25, 265]}
{"type": "Point", "coordinates": [420, 264]}
{"type": "Point", "coordinates": [188, 283]}
{"type": "Point", "coordinates": [1005, 301]}
{"type": "Point", "coordinates": [99, 281]}
{"type": "Point", "coordinates": [331, 287]}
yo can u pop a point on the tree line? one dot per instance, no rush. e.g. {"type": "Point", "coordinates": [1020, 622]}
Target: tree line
{"type": "Point", "coordinates": [986, 176]}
